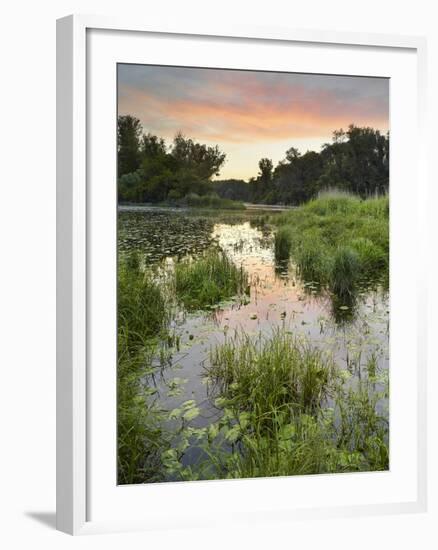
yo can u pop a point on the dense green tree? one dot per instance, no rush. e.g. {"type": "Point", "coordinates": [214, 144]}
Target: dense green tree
{"type": "Point", "coordinates": [292, 154]}
{"type": "Point", "coordinates": [149, 171]}
{"type": "Point", "coordinates": [262, 185]}
{"type": "Point", "coordinates": [205, 161]}
{"type": "Point", "coordinates": [356, 160]}
{"type": "Point", "coordinates": [152, 146]}
{"type": "Point", "coordinates": [129, 132]}
{"type": "Point", "coordinates": [234, 189]}
{"type": "Point", "coordinates": [296, 177]}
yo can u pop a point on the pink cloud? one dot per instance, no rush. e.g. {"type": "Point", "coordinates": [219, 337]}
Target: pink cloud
{"type": "Point", "coordinates": [246, 109]}
{"type": "Point", "coordinates": [252, 111]}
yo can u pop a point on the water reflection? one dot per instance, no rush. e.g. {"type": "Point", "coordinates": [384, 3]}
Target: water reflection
{"type": "Point", "coordinates": [354, 329]}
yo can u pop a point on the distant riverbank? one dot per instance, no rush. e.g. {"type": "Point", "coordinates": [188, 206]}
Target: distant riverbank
{"type": "Point", "coordinates": [255, 206]}
{"type": "Point", "coordinates": [224, 204]}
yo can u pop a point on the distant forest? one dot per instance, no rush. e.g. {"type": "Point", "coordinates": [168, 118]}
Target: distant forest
{"type": "Point", "coordinates": [151, 171]}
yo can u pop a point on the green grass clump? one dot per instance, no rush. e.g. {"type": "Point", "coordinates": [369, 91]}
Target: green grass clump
{"type": "Point", "coordinates": [275, 394]}
{"type": "Point", "coordinates": [141, 305]}
{"type": "Point", "coordinates": [339, 240]}
{"type": "Point", "coordinates": [140, 437]}
{"type": "Point", "coordinates": [361, 429]}
{"type": "Point", "coordinates": [345, 273]}
{"type": "Point", "coordinates": [142, 316]}
{"type": "Point", "coordinates": [372, 256]}
{"type": "Point", "coordinates": [281, 372]}
{"type": "Point", "coordinates": [208, 280]}
{"type": "Point", "coordinates": [282, 244]}
{"type": "Point", "coordinates": [312, 262]}
{"type": "Point", "coordinates": [333, 202]}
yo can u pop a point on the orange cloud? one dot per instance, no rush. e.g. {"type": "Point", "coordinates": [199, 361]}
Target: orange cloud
{"type": "Point", "coordinates": [249, 122]}
{"type": "Point", "coordinates": [246, 108]}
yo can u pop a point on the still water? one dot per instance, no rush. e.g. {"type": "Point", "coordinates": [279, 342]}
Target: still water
{"type": "Point", "coordinates": [277, 299]}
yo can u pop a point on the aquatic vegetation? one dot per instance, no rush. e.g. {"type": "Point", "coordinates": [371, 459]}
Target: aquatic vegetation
{"type": "Point", "coordinates": [312, 263]}
{"type": "Point", "coordinates": [286, 410]}
{"type": "Point", "coordinates": [140, 435]}
{"type": "Point", "coordinates": [141, 308]}
{"type": "Point", "coordinates": [289, 393]}
{"type": "Point", "coordinates": [372, 257]}
{"type": "Point", "coordinates": [333, 201]}
{"type": "Point", "coordinates": [282, 244]}
{"type": "Point", "coordinates": [208, 280]}
{"type": "Point", "coordinates": [345, 272]}
{"type": "Point", "coordinates": [270, 374]}
{"type": "Point", "coordinates": [132, 262]}
{"type": "Point", "coordinates": [142, 315]}
{"type": "Point", "coordinates": [339, 240]}
{"type": "Point", "coordinates": [361, 429]}
{"type": "Point", "coordinates": [275, 395]}
{"type": "Point", "coordinates": [150, 232]}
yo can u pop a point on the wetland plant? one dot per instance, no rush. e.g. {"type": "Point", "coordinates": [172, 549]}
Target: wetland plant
{"type": "Point", "coordinates": [339, 240]}
{"type": "Point", "coordinates": [208, 280]}
{"type": "Point", "coordinates": [284, 406]}
{"type": "Point", "coordinates": [275, 394]}
{"type": "Point", "coordinates": [312, 262]}
{"type": "Point", "coordinates": [140, 436]}
{"type": "Point", "coordinates": [281, 372]}
{"type": "Point", "coordinates": [142, 316]}
{"type": "Point", "coordinates": [282, 244]}
{"type": "Point", "coordinates": [345, 273]}
{"type": "Point", "coordinates": [372, 257]}
{"type": "Point", "coordinates": [141, 306]}
{"type": "Point", "coordinates": [361, 429]}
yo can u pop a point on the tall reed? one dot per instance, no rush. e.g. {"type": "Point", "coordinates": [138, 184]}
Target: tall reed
{"type": "Point", "coordinates": [282, 244]}
{"type": "Point", "coordinates": [208, 280]}
{"type": "Point", "coordinates": [288, 411]}
{"type": "Point", "coordinates": [142, 316]}
{"type": "Point", "coordinates": [339, 240]}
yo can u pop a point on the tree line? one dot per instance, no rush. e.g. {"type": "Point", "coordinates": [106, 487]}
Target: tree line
{"type": "Point", "coordinates": [149, 170]}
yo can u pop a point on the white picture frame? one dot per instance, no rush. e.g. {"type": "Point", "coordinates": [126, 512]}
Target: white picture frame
{"type": "Point", "coordinates": [77, 229]}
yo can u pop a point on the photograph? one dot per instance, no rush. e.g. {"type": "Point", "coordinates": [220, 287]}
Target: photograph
{"type": "Point", "coordinates": [253, 290]}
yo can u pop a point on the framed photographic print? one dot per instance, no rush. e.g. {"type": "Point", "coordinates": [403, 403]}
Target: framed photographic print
{"type": "Point", "coordinates": [240, 279]}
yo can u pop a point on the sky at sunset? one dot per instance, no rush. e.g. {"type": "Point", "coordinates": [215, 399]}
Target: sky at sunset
{"type": "Point", "coordinates": [250, 115]}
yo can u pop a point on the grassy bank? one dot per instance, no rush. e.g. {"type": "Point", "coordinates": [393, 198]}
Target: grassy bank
{"type": "Point", "coordinates": [338, 240]}
{"type": "Point", "coordinates": [141, 307]}
{"type": "Point", "coordinates": [143, 314]}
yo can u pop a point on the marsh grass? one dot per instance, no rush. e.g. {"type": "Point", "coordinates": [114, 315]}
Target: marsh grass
{"type": "Point", "coordinates": [284, 406]}
{"type": "Point", "coordinates": [140, 437]}
{"type": "Point", "coordinates": [275, 395]}
{"type": "Point", "coordinates": [141, 306]}
{"type": "Point", "coordinates": [142, 315]}
{"type": "Point", "coordinates": [208, 280]}
{"type": "Point", "coordinates": [361, 430]}
{"type": "Point", "coordinates": [280, 372]}
{"type": "Point", "coordinates": [345, 273]}
{"type": "Point", "coordinates": [282, 244]}
{"type": "Point", "coordinates": [144, 312]}
{"type": "Point", "coordinates": [312, 262]}
{"type": "Point", "coordinates": [339, 240]}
